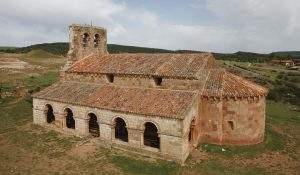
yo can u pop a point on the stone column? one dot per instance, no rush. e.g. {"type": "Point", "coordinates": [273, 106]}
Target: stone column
{"type": "Point", "coordinates": [60, 120]}
{"type": "Point", "coordinates": [134, 137]}
{"type": "Point", "coordinates": [106, 133]}
{"type": "Point", "coordinates": [81, 126]}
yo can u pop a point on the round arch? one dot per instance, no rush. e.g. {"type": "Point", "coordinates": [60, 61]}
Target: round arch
{"type": "Point", "coordinates": [85, 39]}
{"type": "Point", "coordinates": [121, 132]}
{"type": "Point", "coordinates": [96, 40]}
{"type": "Point", "coordinates": [70, 121]}
{"type": "Point", "coordinates": [49, 112]}
{"type": "Point", "coordinates": [112, 121]}
{"type": "Point", "coordinates": [151, 135]}
{"type": "Point", "coordinates": [142, 125]}
{"type": "Point", "coordinates": [94, 128]}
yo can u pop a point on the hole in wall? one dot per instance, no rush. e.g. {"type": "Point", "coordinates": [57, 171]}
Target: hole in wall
{"type": "Point", "coordinates": [110, 78]}
{"type": "Point", "coordinates": [158, 81]}
{"type": "Point", "coordinates": [231, 125]}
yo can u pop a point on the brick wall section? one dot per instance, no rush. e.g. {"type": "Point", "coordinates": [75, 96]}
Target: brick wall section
{"type": "Point", "coordinates": [172, 132]}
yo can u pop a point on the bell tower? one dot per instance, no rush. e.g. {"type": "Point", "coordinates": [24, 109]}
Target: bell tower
{"type": "Point", "coordinates": [85, 40]}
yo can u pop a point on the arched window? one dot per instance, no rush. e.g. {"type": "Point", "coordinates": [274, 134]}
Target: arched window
{"type": "Point", "coordinates": [93, 125]}
{"type": "Point", "coordinates": [96, 40]}
{"type": "Point", "coordinates": [151, 135]}
{"type": "Point", "coordinates": [70, 122]}
{"type": "Point", "coordinates": [85, 39]}
{"type": "Point", "coordinates": [49, 114]}
{"type": "Point", "coordinates": [121, 130]}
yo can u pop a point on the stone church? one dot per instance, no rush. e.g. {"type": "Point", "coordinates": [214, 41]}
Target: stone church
{"type": "Point", "coordinates": [160, 105]}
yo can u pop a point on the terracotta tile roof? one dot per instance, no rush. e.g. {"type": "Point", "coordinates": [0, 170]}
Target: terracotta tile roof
{"type": "Point", "coordinates": [166, 65]}
{"type": "Point", "coordinates": [157, 102]}
{"type": "Point", "coordinates": [223, 84]}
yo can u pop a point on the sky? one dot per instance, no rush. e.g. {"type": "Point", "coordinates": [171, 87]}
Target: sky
{"type": "Point", "coordinates": [206, 25]}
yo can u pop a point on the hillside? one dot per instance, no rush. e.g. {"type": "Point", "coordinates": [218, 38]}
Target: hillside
{"type": "Point", "coordinates": [294, 54]}
{"type": "Point", "coordinates": [61, 48]}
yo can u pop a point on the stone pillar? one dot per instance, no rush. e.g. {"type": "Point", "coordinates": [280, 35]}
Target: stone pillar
{"type": "Point", "coordinates": [134, 137]}
{"type": "Point", "coordinates": [60, 120]}
{"type": "Point", "coordinates": [81, 126]}
{"type": "Point", "coordinates": [106, 133]}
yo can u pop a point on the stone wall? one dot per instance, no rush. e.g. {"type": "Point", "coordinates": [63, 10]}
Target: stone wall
{"type": "Point", "coordinates": [233, 121]}
{"type": "Point", "coordinates": [172, 132]}
{"type": "Point", "coordinates": [136, 81]}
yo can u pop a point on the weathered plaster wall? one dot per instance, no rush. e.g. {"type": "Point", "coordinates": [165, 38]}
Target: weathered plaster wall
{"type": "Point", "coordinates": [248, 118]}
{"type": "Point", "coordinates": [210, 114]}
{"type": "Point", "coordinates": [240, 121]}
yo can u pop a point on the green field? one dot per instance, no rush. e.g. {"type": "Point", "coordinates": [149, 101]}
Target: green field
{"type": "Point", "coordinates": [29, 149]}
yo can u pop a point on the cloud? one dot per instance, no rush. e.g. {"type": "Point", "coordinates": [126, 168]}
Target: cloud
{"type": "Point", "coordinates": [266, 25]}
{"type": "Point", "coordinates": [249, 25]}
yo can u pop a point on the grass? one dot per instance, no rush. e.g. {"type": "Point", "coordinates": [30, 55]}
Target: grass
{"type": "Point", "coordinates": [216, 166]}
{"type": "Point", "coordinates": [38, 54]}
{"type": "Point", "coordinates": [133, 166]}
{"type": "Point", "coordinates": [279, 112]}
{"type": "Point", "coordinates": [17, 113]}
{"type": "Point", "coordinates": [273, 142]}
{"type": "Point", "coordinates": [35, 83]}
{"type": "Point", "coordinates": [35, 138]}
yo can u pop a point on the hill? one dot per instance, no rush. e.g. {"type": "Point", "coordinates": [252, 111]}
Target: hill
{"type": "Point", "coordinates": [6, 48]}
{"type": "Point", "coordinates": [293, 54]}
{"type": "Point", "coordinates": [40, 54]}
{"type": "Point", "coordinates": [61, 48]}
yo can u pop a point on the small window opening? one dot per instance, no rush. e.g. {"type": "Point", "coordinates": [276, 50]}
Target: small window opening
{"type": "Point", "coordinates": [96, 40]}
{"type": "Point", "coordinates": [230, 123]}
{"type": "Point", "coordinates": [158, 81]}
{"type": "Point", "coordinates": [151, 135]}
{"type": "Point", "coordinates": [190, 135]}
{"type": "Point", "coordinates": [121, 132]}
{"type": "Point", "coordinates": [191, 130]}
{"type": "Point", "coordinates": [110, 78]}
{"type": "Point", "coordinates": [49, 114]}
{"type": "Point", "coordinates": [70, 122]}
{"type": "Point", "coordinates": [85, 39]}
{"type": "Point", "coordinates": [93, 125]}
